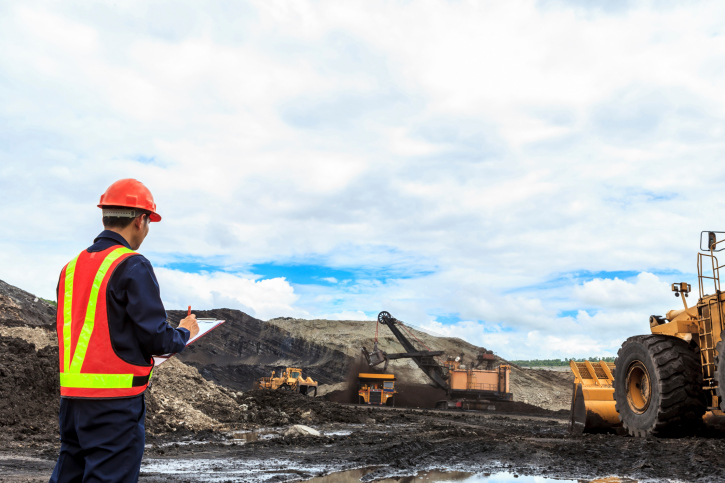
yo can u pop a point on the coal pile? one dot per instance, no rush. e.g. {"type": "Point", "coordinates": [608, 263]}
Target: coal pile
{"type": "Point", "coordinates": [29, 392]}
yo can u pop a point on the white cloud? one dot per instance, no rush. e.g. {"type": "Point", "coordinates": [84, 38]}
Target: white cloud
{"type": "Point", "coordinates": [263, 299]}
{"type": "Point", "coordinates": [470, 157]}
{"type": "Point", "coordinates": [646, 290]}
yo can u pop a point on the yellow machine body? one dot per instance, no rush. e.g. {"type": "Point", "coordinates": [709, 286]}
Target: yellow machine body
{"type": "Point", "coordinates": [378, 389]}
{"type": "Point", "coordinates": [291, 380]}
{"type": "Point", "coordinates": [702, 325]}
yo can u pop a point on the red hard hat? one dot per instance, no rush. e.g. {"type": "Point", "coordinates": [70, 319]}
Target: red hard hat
{"type": "Point", "coordinates": [130, 193]}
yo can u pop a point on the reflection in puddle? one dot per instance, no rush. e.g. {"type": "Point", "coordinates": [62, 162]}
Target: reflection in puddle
{"type": "Point", "coordinates": [252, 436]}
{"type": "Point", "coordinates": [238, 470]}
{"type": "Point", "coordinates": [355, 476]}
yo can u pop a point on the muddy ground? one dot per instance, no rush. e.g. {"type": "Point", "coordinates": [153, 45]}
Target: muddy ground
{"type": "Point", "coordinates": [400, 442]}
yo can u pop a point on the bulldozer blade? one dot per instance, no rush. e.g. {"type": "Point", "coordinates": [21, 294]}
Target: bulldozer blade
{"type": "Point", "coordinates": [307, 390]}
{"type": "Point", "coordinates": [592, 410]}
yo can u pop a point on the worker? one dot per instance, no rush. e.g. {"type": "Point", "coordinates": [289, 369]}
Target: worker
{"type": "Point", "coordinates": [110, 322]}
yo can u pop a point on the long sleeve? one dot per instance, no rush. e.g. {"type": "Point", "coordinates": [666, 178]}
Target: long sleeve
{"type": "Point", "coordinates": [146, 311]}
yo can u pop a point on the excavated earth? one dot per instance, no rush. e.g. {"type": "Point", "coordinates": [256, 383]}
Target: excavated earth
{"type": "Point", "coordinates": [205, 424]}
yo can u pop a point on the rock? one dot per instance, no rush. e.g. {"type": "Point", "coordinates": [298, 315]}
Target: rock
{"type": "Point", "coordinates": [301, 430]}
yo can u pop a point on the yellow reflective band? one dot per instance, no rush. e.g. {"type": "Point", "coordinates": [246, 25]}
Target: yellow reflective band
{"type": "Point", "coordinates": [85, 337]}
{"type": "Point", "coordinates": [68, 311]}
{"type": "Point", "coordinates": [96, 381]}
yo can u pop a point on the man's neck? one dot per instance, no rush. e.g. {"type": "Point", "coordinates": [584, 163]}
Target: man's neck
{"type": "Point", "coordinates": [125, 233]}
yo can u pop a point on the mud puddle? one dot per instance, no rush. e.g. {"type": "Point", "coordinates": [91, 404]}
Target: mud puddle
{"type": "Point", "coordinates": [220, 470]}
{"type": "Point", "coordinates": [368, 475]}
{"type": "Point", "coordinates": [226, 470]}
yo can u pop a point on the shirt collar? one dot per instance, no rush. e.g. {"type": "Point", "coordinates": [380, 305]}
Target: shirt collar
{"type": "Point", "coordinates": [113, 236]}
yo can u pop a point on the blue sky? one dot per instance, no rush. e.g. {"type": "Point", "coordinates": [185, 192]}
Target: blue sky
{"type": "Point", "coordinates": [529, 175]}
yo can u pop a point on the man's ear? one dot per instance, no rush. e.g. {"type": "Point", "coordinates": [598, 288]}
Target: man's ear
{"type": "Point", "coordinates": [138, 221]}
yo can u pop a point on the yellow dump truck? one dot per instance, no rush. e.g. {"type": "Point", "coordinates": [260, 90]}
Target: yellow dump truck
{"type": "Point", "coordinates": [290, 380]}
{"type": "Point", "coordinates": [662, 383]}
{"type": "Point", "coordinates": [376, 389]}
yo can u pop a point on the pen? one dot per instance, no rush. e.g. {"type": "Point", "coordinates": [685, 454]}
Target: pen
{"type": "Point", "coordinates": [189, 312]}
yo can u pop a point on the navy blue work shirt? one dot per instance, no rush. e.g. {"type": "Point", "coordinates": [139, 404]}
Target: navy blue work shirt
{"type": "Point", "coordinates": [136, 315]}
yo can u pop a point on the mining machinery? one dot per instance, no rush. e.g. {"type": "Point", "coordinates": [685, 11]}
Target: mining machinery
{"type": "Point", "coordinates": [662, 383]}
{"type": "Point", "coordinates": [376, 389]}
{"type": "Point", "coordinates": [466, 387]}
{"type": "Point", "coordinates": [290, 380]}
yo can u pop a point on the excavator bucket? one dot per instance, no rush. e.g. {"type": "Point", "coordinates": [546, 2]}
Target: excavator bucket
{"type": "Point", "coordinates": [375, 357]}
{"type": "Point", "coordinates": [592, 401]}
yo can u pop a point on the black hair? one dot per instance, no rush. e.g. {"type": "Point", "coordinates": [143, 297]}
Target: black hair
{"type": "Point", "coordinates": [121, 222]}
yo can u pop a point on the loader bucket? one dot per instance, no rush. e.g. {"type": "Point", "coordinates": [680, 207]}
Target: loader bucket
{"type": "Point", "coordinates": [592, 400]}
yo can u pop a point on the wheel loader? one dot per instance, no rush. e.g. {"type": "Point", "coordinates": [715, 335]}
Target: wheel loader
{"type": "Point", "coordinates": [662, 383]}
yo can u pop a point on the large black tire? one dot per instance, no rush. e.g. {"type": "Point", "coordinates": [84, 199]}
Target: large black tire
{"type": "Point", "coordinates": [658, 386]}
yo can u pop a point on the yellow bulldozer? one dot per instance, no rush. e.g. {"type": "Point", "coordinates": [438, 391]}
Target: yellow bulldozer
{"type": "Point", "coordinates": [290, 380]}
{"type": "Point", "coordinates": [662, 383]}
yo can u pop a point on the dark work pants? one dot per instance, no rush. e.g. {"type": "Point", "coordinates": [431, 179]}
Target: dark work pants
{"type": "Point", "coordinates": [102, 440]}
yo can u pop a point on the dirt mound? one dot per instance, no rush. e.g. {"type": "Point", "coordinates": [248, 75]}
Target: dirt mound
{"type": "Point", "coordinates": [276, 408]}
{"type": "Point", "coordinates": [180, 398]}
{"type": "Point", "coordinates": [19, 308]}
{"type": "Point", "coordinates": [40, 337]}
{"type": "Point", "coordinates": [29, 391]}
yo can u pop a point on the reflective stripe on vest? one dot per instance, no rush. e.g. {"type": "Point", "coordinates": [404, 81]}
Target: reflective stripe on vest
{"type": "Point", "coordinates": [71, 376]}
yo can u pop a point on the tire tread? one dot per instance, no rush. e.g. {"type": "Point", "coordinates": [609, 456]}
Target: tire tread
{"type": "Point", "coordinates": [678, 375]}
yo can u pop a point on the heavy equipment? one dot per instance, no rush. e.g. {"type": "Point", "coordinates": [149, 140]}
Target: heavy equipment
{"type": "Point", "coordinates": [465, 387]}
{"type": "Point", "coordinates": [290, 380]}
{"type": "Point", "coordinates": [662, 383]}
{"type": "Point", "coordinates": [376, 389]}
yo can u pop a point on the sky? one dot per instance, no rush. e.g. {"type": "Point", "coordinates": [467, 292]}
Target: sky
{"type": "Point", "coordinates": [529, 176]}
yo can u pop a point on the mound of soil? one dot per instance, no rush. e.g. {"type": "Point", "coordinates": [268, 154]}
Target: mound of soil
{"type": "Point", "coordinates": [19, 308]}
{"type": "Point", "coordinates": [180, 398]}
{"type": "Point", "coordinates": [276, 408]}
{"type": "Point", "coordinates": [29, 391]}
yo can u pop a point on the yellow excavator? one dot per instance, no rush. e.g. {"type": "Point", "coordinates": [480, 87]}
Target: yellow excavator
{"type": "Point", "coordinates": [662, 383]}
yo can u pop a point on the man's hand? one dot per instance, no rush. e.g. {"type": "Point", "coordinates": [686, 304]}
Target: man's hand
{"type": "Point", "coordinates": [189, 323]}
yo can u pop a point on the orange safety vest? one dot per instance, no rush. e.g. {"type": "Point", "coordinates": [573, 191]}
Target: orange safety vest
{"type": "Point", "coordinates": [89, 366]}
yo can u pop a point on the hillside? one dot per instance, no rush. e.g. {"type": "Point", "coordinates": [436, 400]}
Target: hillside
{"type": "Point", "coordinates": [245, 348]}
{"type": "Point", "coordinates": [550, 390]}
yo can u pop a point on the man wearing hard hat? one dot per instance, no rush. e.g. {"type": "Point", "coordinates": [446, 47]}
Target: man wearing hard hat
{"type": "Point", "coordinates": [110, 322]}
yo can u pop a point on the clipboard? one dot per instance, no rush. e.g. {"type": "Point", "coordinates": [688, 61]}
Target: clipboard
{"type": "Point", "coordinates": [205, 326]}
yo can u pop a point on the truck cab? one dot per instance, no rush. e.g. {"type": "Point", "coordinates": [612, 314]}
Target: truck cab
{"type": "Point", "coordinates": [377, 389]}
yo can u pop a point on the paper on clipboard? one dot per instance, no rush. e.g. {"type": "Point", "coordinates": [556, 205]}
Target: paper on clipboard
{"type": "Point", "coordinates": [205, 326]}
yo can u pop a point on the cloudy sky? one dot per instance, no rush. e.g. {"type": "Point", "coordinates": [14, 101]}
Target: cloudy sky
{"type": "Point", "coordinates": [527, 175]}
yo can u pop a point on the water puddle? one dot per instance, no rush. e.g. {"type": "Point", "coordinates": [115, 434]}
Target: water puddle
{"type": "Point", "coordinates": [241, 437]}
{"type": "Point", "coordinates": [226, 470]}
{"type": "Point", "coordinates": [358, 475]}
